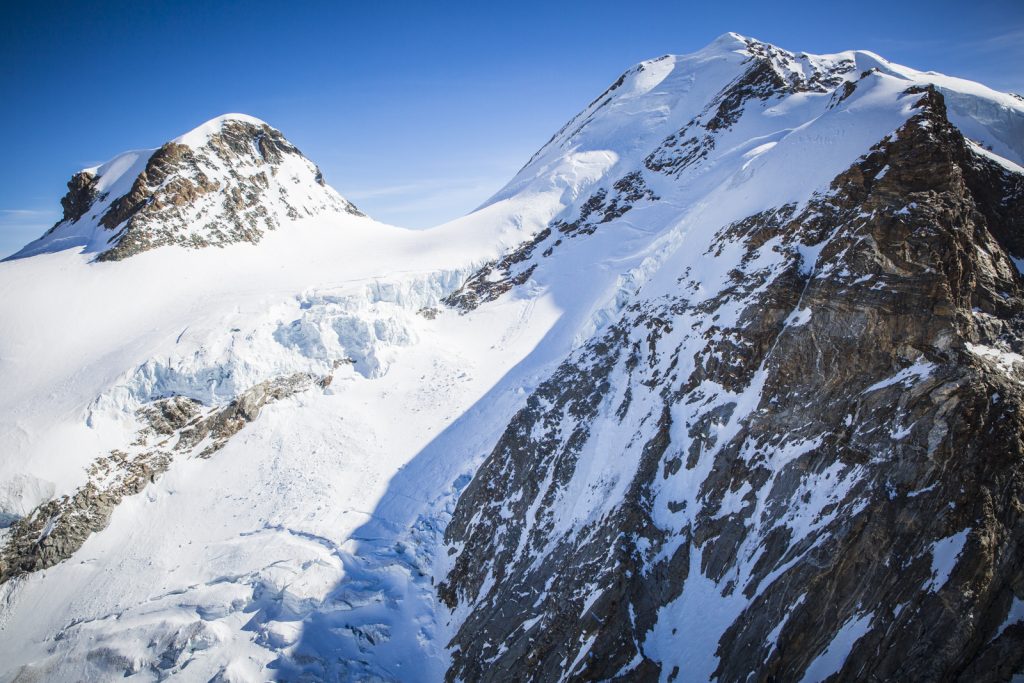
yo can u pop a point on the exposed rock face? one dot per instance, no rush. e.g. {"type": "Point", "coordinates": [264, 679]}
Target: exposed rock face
{"type": "Point", "coordinates": [80, 196]}
{"type": "Point", "coordinates": [497, 277]}
{"type": "Point", "coordinates": [826, 456]}
{"type": "Point", "coordinates": [220, 193]}
{"type": "Point", "coordinates": [231, 184]}
{"type": "Point", "coordinates": [600, 208]}
{"type": "Point", "coordinates": [56, 529]}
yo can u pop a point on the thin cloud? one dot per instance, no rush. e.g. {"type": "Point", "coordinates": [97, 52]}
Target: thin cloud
{"type": "Point", "coordinates": [1010, 40]}
{"type": "Point", "coordinates": [414, 188]}
{"type": "Point", "coordinates": [27, 212]}
{"type": "Point", "coordinates": [17, 224]}
{"type": "Point", "coordinates": [18, 227]}
{"type": "Point", "coordinates": [909, 44]}
{"type": "Point", "coordinates": [425, 203]}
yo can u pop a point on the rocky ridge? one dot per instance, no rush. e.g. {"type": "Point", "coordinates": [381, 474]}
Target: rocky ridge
{"type": "Point", "coordinates": [828, 452]}
{"type": "Point", "coordinates": [172, 427]}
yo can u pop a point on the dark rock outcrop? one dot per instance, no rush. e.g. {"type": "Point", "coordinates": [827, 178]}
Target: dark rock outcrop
{"type": "Point", "coordinates": [81, 194]}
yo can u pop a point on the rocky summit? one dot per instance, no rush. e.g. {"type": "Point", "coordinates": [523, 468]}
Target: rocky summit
{"type": "Point", "coordinates": [725, 384]}
{"type": "Point", "coordinates": [230, 180]}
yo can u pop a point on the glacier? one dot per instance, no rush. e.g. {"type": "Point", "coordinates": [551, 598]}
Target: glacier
{"type": "Point", "coordinates": [317, 541]}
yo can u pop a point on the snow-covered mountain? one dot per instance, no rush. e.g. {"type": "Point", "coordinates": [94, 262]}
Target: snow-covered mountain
{"type": "Point", "coordinates": [229, 180]}
{"type": "Point", "coordinates": [724, 384]}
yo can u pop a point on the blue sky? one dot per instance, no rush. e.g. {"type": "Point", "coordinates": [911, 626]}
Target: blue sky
{"type": "Point", "coordinates": [416, 111]}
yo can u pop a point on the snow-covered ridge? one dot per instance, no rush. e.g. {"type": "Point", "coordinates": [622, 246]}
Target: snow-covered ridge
{"type": "Point", "coordinates": [201, 134]}
{"type": "Point", "coordinates": [659, 97]}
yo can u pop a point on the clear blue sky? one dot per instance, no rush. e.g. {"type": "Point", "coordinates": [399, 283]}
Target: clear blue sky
{"type": "Point", "coordinates": [416, 111]}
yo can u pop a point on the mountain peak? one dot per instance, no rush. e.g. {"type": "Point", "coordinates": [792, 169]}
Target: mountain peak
{"type": "Point", "coordinates": [202, 133]}
{"type": "Point", "coordinates": [730, 40]}
{"type": "Point", "coordinates": [228, 180]}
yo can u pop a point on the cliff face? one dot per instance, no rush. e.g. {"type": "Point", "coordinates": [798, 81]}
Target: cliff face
{"type": "Point", "coordinates": [816, 469]}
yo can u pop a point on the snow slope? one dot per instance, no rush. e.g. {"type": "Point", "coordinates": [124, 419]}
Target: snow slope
{"type": "Point", "coordinates": [307, 544]}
